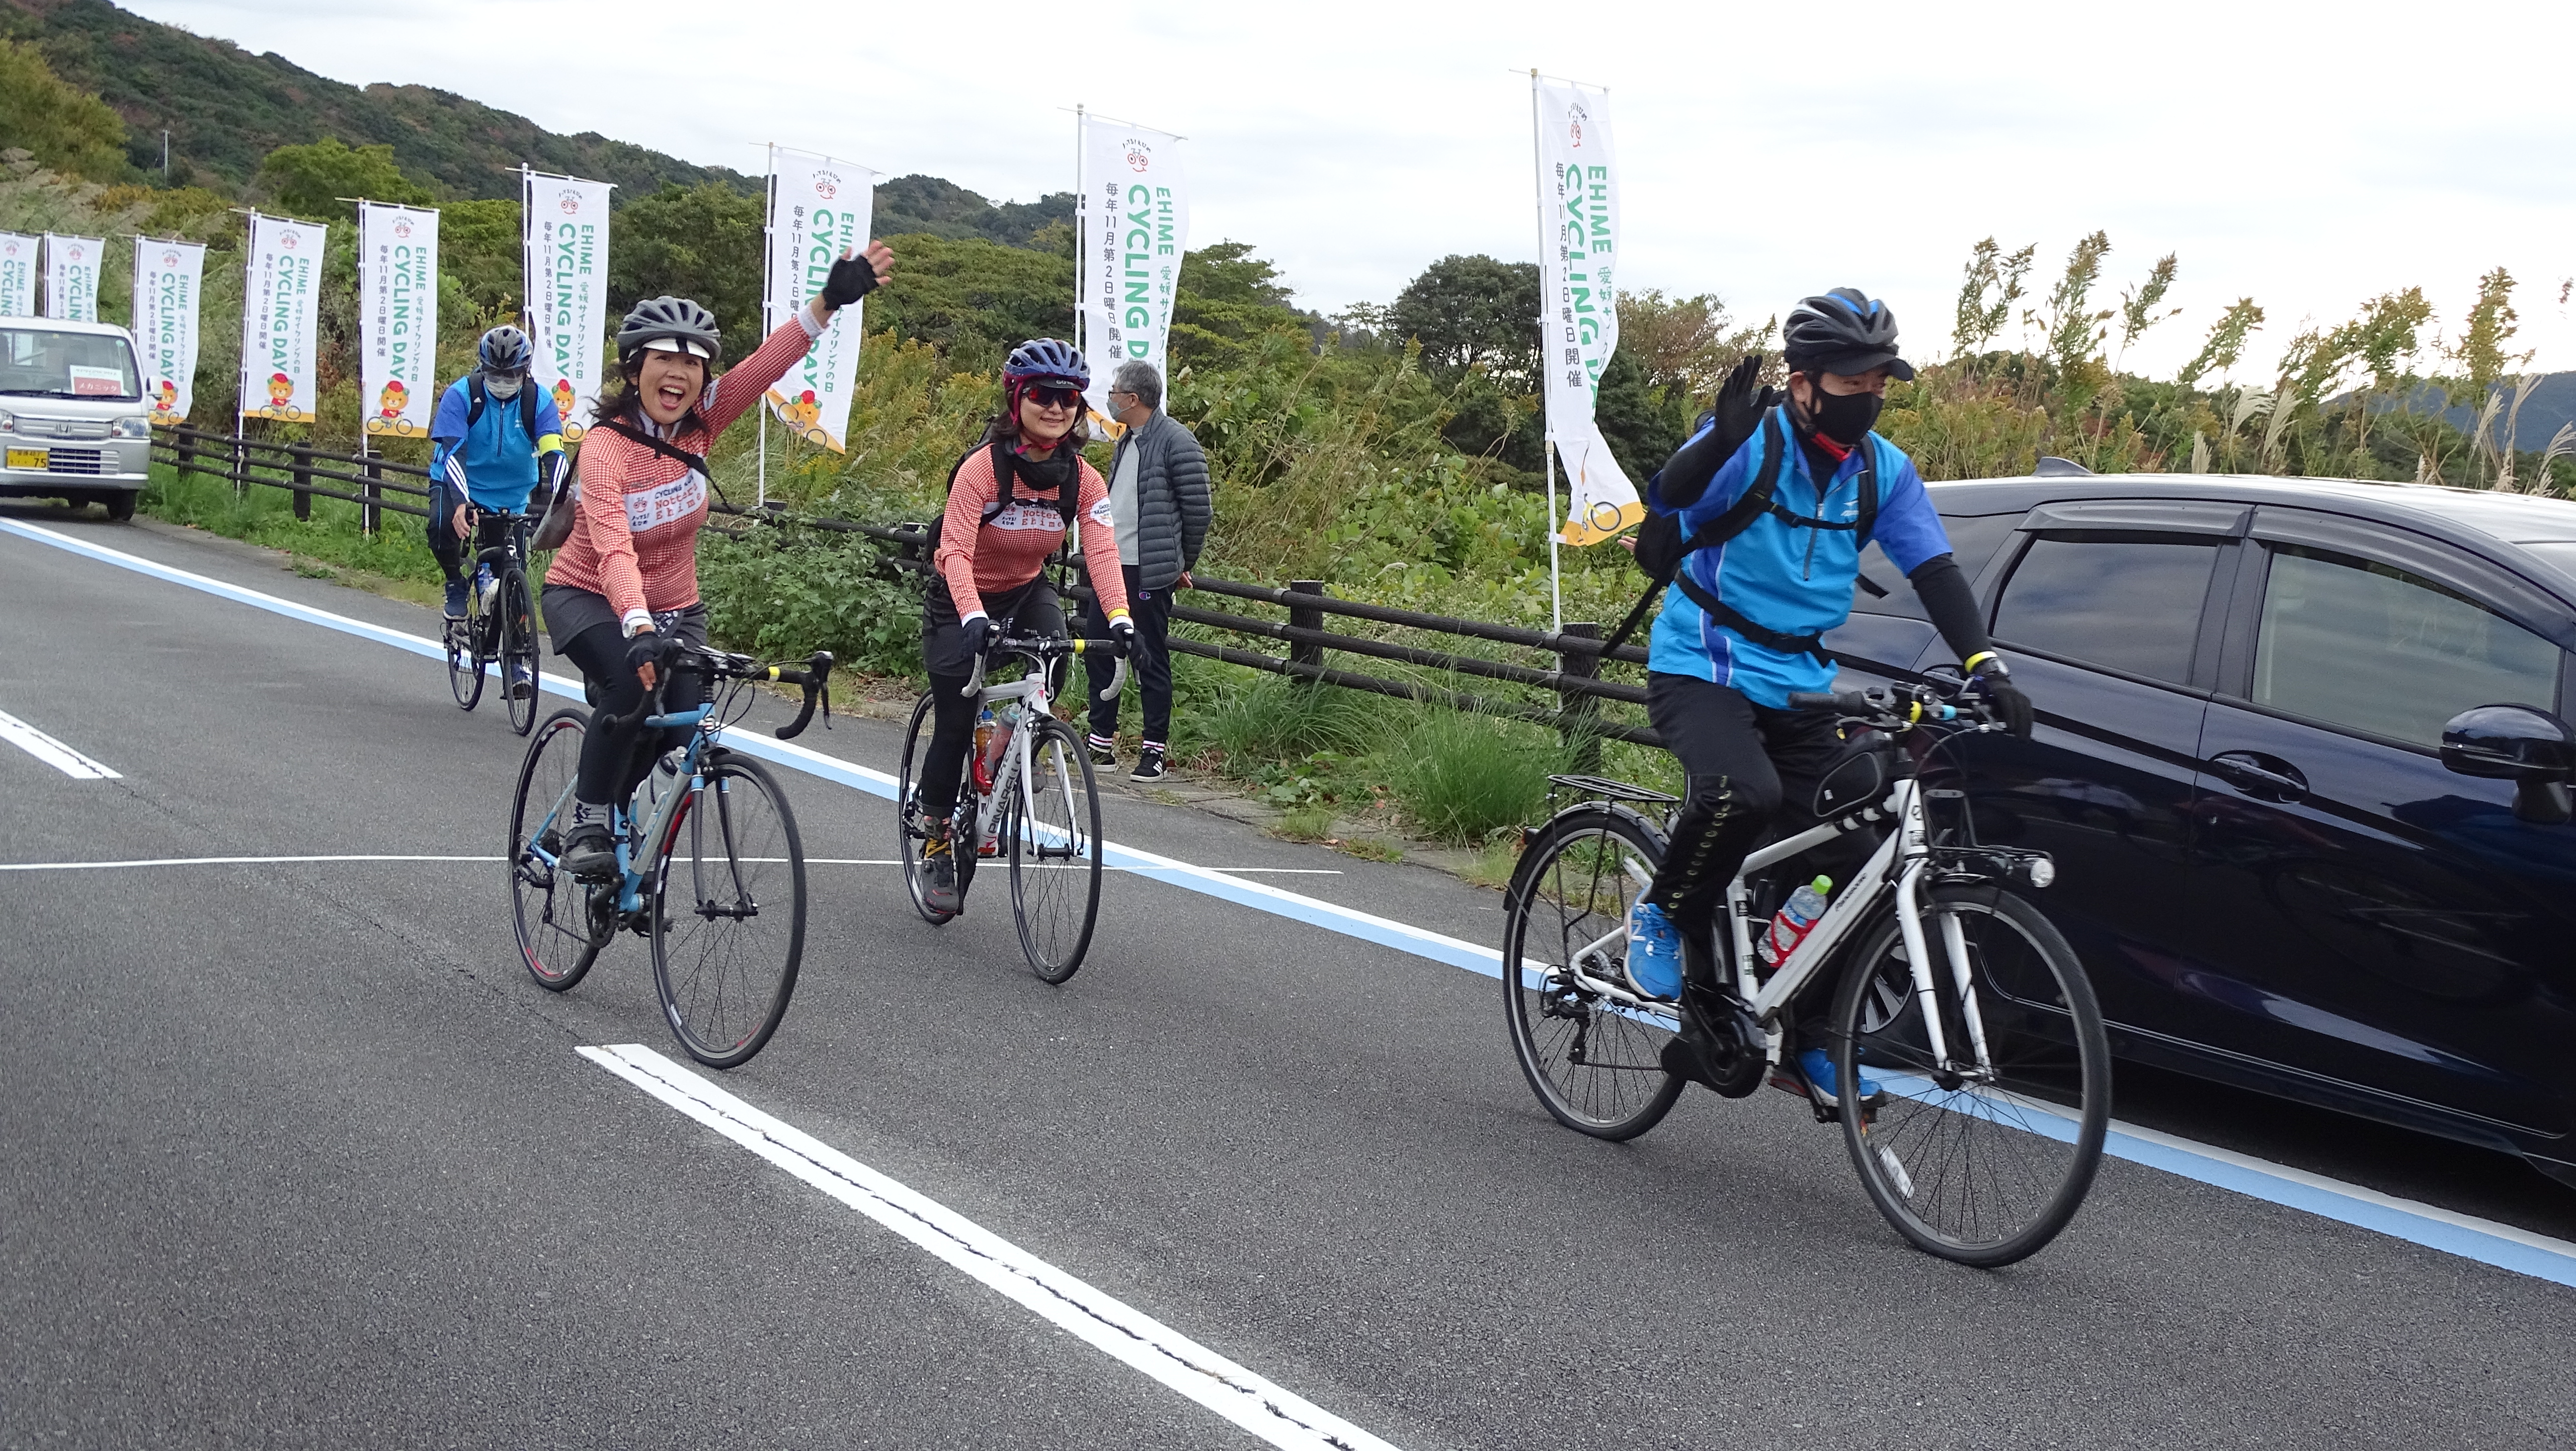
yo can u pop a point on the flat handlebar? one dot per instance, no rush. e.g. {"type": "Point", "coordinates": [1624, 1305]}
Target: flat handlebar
{"type": "Point", "coordinates": [1901, 708]}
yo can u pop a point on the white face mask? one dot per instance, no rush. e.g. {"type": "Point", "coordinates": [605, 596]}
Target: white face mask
{"type": "Point", "coordinates": [501, 385]}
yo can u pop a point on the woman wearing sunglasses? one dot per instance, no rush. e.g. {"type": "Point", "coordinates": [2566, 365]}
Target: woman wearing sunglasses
{"type": "Point", "coordinates": [1010, 503]}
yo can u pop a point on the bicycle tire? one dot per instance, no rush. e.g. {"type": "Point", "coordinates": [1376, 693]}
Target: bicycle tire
{"type": "Point", "coordinates": [518, 650]}
{"type": "Point", "coordinates": [464, 667]}
{"type": "Point", "coordinates": [736, 839]}
{"type": "Point", "coordinates": [561, 922]}
{"type": "Point", "coordinates": [1050, 938]}
{"type": "Point", "coordinates": [1576, 882]}
{"type": "Point", "coordinates": [909, 829]}
{"type": "Point", "coordinates": [1937, 1144]}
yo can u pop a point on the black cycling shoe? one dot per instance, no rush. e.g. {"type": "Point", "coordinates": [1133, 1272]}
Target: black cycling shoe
{"type": "Point", "coordinates": [939, 876]}
{"type": "Point", "coordinates": [589, 853]}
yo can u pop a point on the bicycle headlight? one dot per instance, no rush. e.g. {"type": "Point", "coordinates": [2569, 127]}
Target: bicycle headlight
{"type": "Point", "coordinates": [2039, 871]}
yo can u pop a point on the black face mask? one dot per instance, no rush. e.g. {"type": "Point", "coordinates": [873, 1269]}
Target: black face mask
{"type": "Point", "coordinates": [1845, 417]}
{"type": "Point", "coordinates": [1048, 474]}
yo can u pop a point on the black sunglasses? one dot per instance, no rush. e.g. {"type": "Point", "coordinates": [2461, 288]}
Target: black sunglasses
{"type": "Point", "coordinates": [1048, 396]}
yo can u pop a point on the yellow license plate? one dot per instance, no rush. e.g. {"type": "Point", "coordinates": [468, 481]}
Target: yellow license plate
{"type": "Point", "coordinates": [27, 458]}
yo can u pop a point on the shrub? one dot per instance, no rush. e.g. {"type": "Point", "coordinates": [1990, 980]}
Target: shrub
{"type": "Point", "coordinates": [1462, 777]}
{"type": "Point", "coordinates": [781, 593]}
{"type": "Point", "coordinates": [1274, 718]}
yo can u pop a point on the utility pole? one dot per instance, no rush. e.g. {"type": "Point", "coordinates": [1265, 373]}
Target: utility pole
{"type": "Point", "coordinates": [165, 156]}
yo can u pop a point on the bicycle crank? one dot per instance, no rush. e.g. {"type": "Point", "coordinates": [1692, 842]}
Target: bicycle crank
{"type": "Point", "coordinates": [1720, 1045]}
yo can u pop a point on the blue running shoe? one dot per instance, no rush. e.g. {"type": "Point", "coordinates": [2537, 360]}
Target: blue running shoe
{"type": "Point", "coordinates": [456, 599]}
{"type": "Point", "coordinates": [1819, 1068]}
{"type": "Point", "coordinates": [1654, 952]}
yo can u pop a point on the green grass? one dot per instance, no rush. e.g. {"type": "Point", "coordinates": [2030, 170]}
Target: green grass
{"type": "Point", "coordinates": [397, 552]}
{"type": "Point", "coordinates": [1462, 778]}
{"type": "Point", "coordinates": [1272, 718]}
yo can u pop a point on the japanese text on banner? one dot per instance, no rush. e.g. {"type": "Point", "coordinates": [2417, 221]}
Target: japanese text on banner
{"type": "Point", "coordinates": [1578, 191]}
{"type": "Point", "coordinates": [71, 277]}
{"type": "Point", "coordinates": [282, 270]}
{"type": "Point", "coordinates": [397, 319]}
{"type": "Point", "coordinates": [168, 278]}
{"type": "Point", "coordinates": [1135, 231]}
{"type": "Point", "coordinates": [17, 275]}
{"type": "Point", "coordinates": [566, 237]}
{"type": "Point", "coordinates": [818, 208]}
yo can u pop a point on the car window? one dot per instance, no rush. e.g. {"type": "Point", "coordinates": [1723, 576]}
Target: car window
{"type": "Point", "coordinates": [2368, 647]}
{"type": "Point", "coordinates": [1973, 540]}
{"type": "Point", "coordinates": [41, 362]}
{"type": "Point", "coordinates": [2131, 602]}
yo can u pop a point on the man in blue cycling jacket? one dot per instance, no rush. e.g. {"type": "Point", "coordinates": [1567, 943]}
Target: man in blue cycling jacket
{"type": "Point", "coordinates": [1739, 628]}
{"type": "Point", "coordinates": [497, 444]}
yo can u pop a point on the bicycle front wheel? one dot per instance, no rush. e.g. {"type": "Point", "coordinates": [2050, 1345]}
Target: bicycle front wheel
{"type": "Point", "coordinates": [464, 668]}
{"type": "Point", "coordinates": [1978, 1154]}
{"type": "Point", "coordinates": [562, 923]}
{"type": "Point", "coordinates": [1589, 1044]}
{"type": "Point", "coordinates": [518, 651]}
{"type": "Point", "coordinates": [1052, 818]}
{"type": "Point", "coordinates": [727, 900]}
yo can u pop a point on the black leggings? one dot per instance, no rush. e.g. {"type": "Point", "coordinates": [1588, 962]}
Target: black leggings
{"type": "Point", "coordinates": [612, 761]}
{"type": "Point", "coordinates": [1029, 610]}
{"type": "Point", "coordinates": [1753, 773]}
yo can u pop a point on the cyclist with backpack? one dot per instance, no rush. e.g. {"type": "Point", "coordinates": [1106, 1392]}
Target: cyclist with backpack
{"type": "Point", "coordinates": [624, 586]}
{"type": "Point", "coordinates": [496, 444]}
{"type": "Point", "coordinates": [1011, 501]}
{"type": "Point", "coordinates": [1756, 526]}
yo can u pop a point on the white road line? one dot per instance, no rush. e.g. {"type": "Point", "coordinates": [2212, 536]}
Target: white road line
{"type": "Point", "coordinates": [1108, 1325]}
{"type": "Point", "coordinates": [50, 751]}
{"type": "Point", "coordinates": [238, 861]}
{"type": "Point", "coordinates": [2424, 1224]}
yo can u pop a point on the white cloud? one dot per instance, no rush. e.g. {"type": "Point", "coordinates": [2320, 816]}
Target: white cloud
{"type": "Point", "coordinates": [2307, 156]}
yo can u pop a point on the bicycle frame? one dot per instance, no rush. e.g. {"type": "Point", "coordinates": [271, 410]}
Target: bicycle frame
{"type": "Point", "coordinates": [631, 869]}
{"type": "Point", "coordinates": [1898, 866]}
{"type": "Point", "coordinates": [1035, 700]}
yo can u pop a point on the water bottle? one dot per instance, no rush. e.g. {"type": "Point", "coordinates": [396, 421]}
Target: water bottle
{"type": "Point", "coordinates": [978, 761]}
{"type": "Point", "coordinates": [485, 586]}
{"type": "Point", "coordinates": [1797, 917]}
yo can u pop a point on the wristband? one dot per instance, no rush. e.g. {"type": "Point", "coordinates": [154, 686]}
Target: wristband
{"type": "Point", "coordinates": [1969, 665]}
{"type": "Point", "coordinates": [1118, 614]}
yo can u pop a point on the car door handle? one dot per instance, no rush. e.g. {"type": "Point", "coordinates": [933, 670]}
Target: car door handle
{"type": "Point", "coordinates": [2247, 772]}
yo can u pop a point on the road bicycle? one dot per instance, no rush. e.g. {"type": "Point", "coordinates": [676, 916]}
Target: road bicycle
{"type": "Point", "coordinates": [1035, 800]}
{"type": "Point", "coordinates": [1952, 997]}
{"type": "Point", "coordinates": [499, 628]}
{"type": "Point", "coordinates": [710, 867]}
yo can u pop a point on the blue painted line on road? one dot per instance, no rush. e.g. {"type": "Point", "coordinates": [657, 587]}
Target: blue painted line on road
{"type": "Point", "coordinates": [2466, 1236]}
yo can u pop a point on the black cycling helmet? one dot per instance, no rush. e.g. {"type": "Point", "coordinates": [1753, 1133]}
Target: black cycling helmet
{"type": "Point", "coordinates": [504, 349]}
{"type": "Point", "coordinates": [669, 325]}
{"type": "Point", "coordinates": [1843, 331]}
{"type": "Point", "coordinates": [1047, 358]}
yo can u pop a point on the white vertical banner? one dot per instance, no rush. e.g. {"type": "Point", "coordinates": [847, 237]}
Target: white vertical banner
{"type": "Point", "coordinates": [397, 319]}
{"type": "Point", "coordinates": [168, 277]}
{"type": "Point", "coordinates": [566, 235]}
{"type": "Point", "coordinates": [72, 267]}
{"type": "Point", "coordinates": [1578, 197]}
{"type": "Point", "coordinates": [1135, 230]}
{"type": "Point", "coordinates": [17, 275]}
{"type": "Point", "coordinates": [818, 207]}
{"type": "Point", "coordinates": [281, 279]}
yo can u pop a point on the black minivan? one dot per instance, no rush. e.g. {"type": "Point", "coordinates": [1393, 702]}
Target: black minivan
{"type": "Point", "coordinates": [2277, 873]}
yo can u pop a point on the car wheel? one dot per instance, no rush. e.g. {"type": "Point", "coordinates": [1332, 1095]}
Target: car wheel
{"type": "Point", "coordinates": [120, 505]}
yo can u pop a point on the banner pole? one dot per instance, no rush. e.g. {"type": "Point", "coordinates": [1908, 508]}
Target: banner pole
{"type": "Point", "coordinates": [1538, 211]}
{"type": "Point", "coordinates": [241, 369]}
{"type": "Point", "coordinates": [1081, 236]}
{"type": "Point", "coordinates": [769, 211]}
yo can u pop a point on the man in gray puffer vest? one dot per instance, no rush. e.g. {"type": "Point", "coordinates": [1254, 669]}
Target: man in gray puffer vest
{"type": "Point", "coordinates": [1158, 493]}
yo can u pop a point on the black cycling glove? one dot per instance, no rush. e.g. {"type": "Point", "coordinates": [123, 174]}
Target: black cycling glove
{"type": "Point", "coordinates": [1122, 631]}
{"type": "Point", "coordinates": [852, 278]}
{"type": "Point", "coordinates": [1995, 683]}
{"type": "Point", "coordinates": [648, 648]}
{"type": "Point", "coordinates": [1736, 413]}
{"type": "Point", "coordinates": [979, 633]}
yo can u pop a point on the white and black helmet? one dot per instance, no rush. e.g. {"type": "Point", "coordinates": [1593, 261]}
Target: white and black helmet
{"type": "Point", "coordinates": [669, 325]}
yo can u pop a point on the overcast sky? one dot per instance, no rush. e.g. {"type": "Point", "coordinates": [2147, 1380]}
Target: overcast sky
{"type": "Point", "coordinates": [2308, 156]}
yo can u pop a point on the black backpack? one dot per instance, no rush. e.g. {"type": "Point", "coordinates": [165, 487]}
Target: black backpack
{"type": "Point", "coordinates": [1661, 549]}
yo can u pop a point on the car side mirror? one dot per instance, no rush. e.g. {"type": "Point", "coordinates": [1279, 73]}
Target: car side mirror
{"type": "Point", "coordinates": [2529, 747]}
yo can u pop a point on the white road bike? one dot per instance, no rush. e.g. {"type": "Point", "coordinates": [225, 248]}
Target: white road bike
{"type": "Point", "coordinates": [1037, 802]}
{"type": "Point", "coordinates": [1952, 996]}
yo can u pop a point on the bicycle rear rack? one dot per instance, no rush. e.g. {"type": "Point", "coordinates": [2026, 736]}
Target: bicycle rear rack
{"type": "Point", "coordinates": [1603, 787]}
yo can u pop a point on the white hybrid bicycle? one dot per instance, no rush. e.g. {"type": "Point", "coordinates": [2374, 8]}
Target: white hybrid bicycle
{"type": "Point", "coordinates": [1953, 998]}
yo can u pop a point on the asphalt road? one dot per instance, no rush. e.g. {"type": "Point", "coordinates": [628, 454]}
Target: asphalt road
{"type": "Point", "coordinates": [296, 1155]}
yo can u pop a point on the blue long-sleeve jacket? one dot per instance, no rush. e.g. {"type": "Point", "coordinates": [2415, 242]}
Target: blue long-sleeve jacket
{"type": "Point", "coordinates": [494, 461]}
{"type": "Point", "coordinates": [1792, 580]}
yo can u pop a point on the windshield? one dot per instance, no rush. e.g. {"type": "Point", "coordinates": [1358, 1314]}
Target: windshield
{"type": "Point", "coordinates": [41, 362]}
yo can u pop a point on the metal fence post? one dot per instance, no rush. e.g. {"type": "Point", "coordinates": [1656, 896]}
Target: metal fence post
{"type": "Point", "coordinates": [303, 474]}
{"type": "Point", "coordinates": [1575, 727]}
{"type": "Point", "coordinates": [1301, 618]}
{"type": "Point", "coordinates": [370, 517]}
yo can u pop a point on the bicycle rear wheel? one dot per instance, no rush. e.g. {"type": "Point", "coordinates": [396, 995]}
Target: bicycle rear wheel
{"type": "Point", "coordinates": [1594, 1058]}
{"type": "Point", "coordinates": [1981, 1165]}
{"type": "Point", "coordinates": [518, 650]}
{"type": "Point", "coordinates": [562, 923]}
{"type": "Point", "coordinates": [728, 908]}
{"type": "Point", "coordinates": [1052, 820]}
{"type": "Point", "coordinates": [464, 669]}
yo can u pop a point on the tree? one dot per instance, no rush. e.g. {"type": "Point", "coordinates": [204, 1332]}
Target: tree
{"type": "Point", "coordinates": [701, 242]}
{"type": "Point", "coordinates": [317, 181]}
{"type": "Point", "coordinates": [1228, 299]}
{"type": "Point", "coordinates": [1472, 311]}
{"type": "Point", "coordinates": [974, 300]}
{"type": "Point", "coordinates": [66, 129]}
{"type": "Point", "coordinates": [1685, 345]}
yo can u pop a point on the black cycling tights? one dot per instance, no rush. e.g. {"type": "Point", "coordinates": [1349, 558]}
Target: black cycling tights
{"type": "Point", "coordinates": [1753, 774]}
{"type": "Point", "coordinates": [612, 761]}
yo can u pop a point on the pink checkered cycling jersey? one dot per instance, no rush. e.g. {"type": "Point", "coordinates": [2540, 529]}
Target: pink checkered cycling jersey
{"type": "Point", "coordinates": [1006, 551]}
